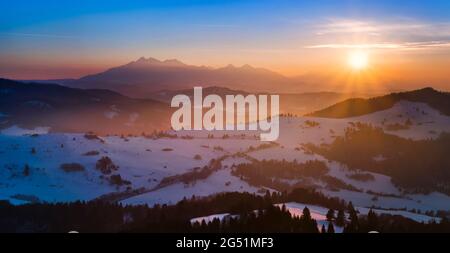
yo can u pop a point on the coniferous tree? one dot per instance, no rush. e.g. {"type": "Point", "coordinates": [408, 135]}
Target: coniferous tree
{"type": "Point", "coordinates": [350, 207]}
{"type": "Point", "coordinates": [353, 226]}
{"type": "Point", "coordinates": [306, 215]}
{"type": "Point", "coordinates": [372, 221]}
{"type": "Point", "coordinates": [109, 217]}
{"type": "Point", "coordinates": [340, 218]}
{"type": "Point", "coordinates": [323, 230]}
{"type": "Point", "coordinates": [330, 215]}
{"type": "Point", "coordinates": [330, 228]}
{"type": "Point", "coordinates": [308, 224]}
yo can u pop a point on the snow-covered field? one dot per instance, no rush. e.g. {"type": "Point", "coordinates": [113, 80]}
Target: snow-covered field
{"type": "Point", "coordinates": [145, 161]}
{"type": "Point", "coordinates": [220, 181]}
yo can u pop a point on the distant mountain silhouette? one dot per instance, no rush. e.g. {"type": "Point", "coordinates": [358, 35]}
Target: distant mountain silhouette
{"type": "Point", "coordinates": [148, 75]}
{"type": "Point", "coordinates": [31, 105]}
{"type": "Point", "coordinates": [358, 106]}
{"type": "Point", "coordinates": [145, 76]}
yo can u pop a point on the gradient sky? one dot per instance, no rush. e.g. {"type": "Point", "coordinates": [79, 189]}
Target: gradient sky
{"type": "Point", "coordinates": [51, 39]}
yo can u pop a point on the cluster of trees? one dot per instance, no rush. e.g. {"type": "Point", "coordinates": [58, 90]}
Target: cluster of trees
{"type": "Point", "coordinates": [311, 124]}
{"type": "Point", "coordinates": [92, 136]}
{"type": "Point", "coordinates": [99, 216]}
{"type": "Point", "coordinates": [422, 165]}
{"type": "Point", "coordinates": [270, 219]}
{"type": "Point", "coordinates": [274, 219]}
{"type": "Point", "coordinates": [72, 167]}
{"type": "Point", "coordinates": [398, 126]}
{"type": "Point", "coordinates": [363, 177]}
{"type": "Point", "coordinates": [118, 180]}
{"type": "Point", "coordinates": [105, 165]}
{"type": "Point", "coordinates": [281, 169]}
{"type": "Point", "coordinates": [271, 173]}
{"type": "Point", "coordinates": [196, 174]}
{"type": "Point", "coordinates": [252, 213]}
{"type": "Point", "coordinates": [262, 146]}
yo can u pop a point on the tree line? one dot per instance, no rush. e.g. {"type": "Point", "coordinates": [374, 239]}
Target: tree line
{"type": "Point", "coordinates": [252, 213]}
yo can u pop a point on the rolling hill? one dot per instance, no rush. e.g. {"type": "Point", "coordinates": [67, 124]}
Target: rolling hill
{"type": "Point", "coordinates": [66, 109]}
{"type": "Point", "coordinates": [357, 106]}
{"type": "Point", "coordinates": [292, 103]}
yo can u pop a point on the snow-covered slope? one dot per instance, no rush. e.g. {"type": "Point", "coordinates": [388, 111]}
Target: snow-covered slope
{"type": "Point", "coordinates": [145, 162]}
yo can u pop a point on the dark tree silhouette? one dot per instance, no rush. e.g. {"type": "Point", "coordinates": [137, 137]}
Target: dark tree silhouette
{"type": "Point", "coordinates": [330, 215]}
{"type": "Point", "coordinates": [330, 228]}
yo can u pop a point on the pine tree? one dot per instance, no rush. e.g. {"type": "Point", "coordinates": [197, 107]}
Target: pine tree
{"type": "Point", "coordinates": [372, 221]}
{"type": "Point", "coordinates": [353, 226]}
{"type": "Point", "coordinates": [340, 219]}
{"type": "Point", "coordinates": [330, 228]}
{"type": "Point", "coordinates": [313, 227]}
{"type": "Point", "coordinates": [322, 230]}
{"type": "Point", "coordinates": [306, 215]}
{"type": "Point", "coordinates": [350, 207]}
{"type": "Point", "coordinates": [330, 215]}
{"type": "Point", "coordinates": [307, 223]}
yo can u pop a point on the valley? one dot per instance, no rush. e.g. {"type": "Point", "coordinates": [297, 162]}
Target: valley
{"type": "Point", "coordinates": [165, 169]}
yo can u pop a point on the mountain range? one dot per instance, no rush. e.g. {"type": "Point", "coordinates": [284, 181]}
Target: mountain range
{"type": "Point", "coordinates": [147, 75]}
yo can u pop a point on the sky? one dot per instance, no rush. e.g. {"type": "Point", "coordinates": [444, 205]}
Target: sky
{"type": "Point", "coordinates": [54, 39]}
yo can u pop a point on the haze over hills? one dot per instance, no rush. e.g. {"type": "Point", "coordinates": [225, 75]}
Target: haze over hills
{"type": "Point", "coordinates": [440, 101]}
{"type": "Point", "coordinates": [66, 109]}
{"type": "Point", "coordinates": [145, 76]}
{"type": "Point", "coordinates": [292, 103]}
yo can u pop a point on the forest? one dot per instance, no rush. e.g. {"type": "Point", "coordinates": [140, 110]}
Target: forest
{"type": "Point", "coordinates": [277, 174]}
{"type": "Point", "coordinates": [252, 213]}
{"type": "Point", "coordinates": [415, 165]}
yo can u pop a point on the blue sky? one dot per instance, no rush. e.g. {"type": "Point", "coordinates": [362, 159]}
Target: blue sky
{"type": "Point", "coordinates": [77, 37]}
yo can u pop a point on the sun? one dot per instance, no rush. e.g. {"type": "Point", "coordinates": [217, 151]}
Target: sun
{"type": "Point", "coordinates": [358, 60]}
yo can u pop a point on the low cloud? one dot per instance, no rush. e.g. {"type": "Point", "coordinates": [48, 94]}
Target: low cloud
{"type": "Point", "coordinates": [403, 46]}
{"type": "Point", "coordinates": [407, 34]}
{"type": "Point", "coordinates": [400, 27]}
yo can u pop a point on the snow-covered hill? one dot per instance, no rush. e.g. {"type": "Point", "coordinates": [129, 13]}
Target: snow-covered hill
{"type": "Point", "coordinates": [31, 162]}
